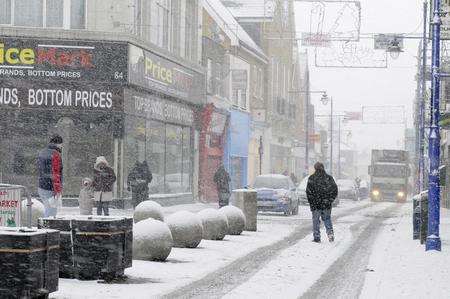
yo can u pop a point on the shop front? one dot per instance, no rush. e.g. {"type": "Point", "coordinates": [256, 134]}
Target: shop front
{"type": "Point", "coordinates": [236, 151]}
{"type": "Point", "coordinates": [213, 129]}
{"type": "Point", "coordinates": [96, 96]}
{"type": "Point", "coordinates": [160, 128]}
{"type": "Point", "coordinates": [65, 87]}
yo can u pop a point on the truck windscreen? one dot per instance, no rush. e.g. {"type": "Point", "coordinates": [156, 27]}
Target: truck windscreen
{"type": "Point", "coordinates": [390, 171]}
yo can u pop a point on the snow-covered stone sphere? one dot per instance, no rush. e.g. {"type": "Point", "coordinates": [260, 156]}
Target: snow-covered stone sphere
{"type": "Point", "coordinates": [152, 240]}
{"type": "Point", "coordinates": [37, 211]}
{"type": "Point", "coordinates": [236, 219]}
{"type": "Point", "coordinates": [148, 209]}
{"type": "Point", "coordinates": [186, 228]}
{"type": "Point", "coordinates": [215, 224]}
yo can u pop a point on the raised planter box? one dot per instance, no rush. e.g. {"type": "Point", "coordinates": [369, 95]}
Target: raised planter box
{"type": "Point", "coordinates": [93, 247]}
{"type": "Point", "coordinates": [29, 262]}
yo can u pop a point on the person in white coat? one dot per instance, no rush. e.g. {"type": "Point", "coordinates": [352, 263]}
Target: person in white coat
{"type": "Point", "coordinates": [86, 197]}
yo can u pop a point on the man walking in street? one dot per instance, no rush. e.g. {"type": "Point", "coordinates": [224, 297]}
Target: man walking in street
{"type": "Point", "coordinates": [50, 175]}
{"type": "Point", "coordinates": [222, 180]}
{"type": "Point", "coordinates": [321, 191]}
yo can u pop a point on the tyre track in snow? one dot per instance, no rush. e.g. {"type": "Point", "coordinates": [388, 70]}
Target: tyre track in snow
{"type": "Point", "coordinates": [345, 277]}
{"type": "Point", "coordinates": [223, 280]}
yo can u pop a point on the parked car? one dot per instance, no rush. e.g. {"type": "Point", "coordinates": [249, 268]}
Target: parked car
{"type": "Point", "coordinates": [347, 189]}
{"type": "Point", "coordinates": [364, 189]}
{"type": "Point", "coordinates": [276, 193]}
{"type": "Point", "coordinates": [301, 192]}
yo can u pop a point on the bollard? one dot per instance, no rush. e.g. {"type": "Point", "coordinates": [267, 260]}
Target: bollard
{"type": "Point", "coordinates": [416, 217]}
{"type": "Point", "coordinates": [423, 217]}
{"type": "Point", "coordinates": [245, 199]}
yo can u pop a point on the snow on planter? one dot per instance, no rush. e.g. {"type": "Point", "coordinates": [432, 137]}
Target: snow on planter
{"type": "Point", "coordinates": [236, 219]}
{"type": "Point", "coordinates": [186, 228]}
{"type": "Point", "coordinates": [148, 209]}
{"type": "Point", "coordinates": [215, 224]}
{"type": "Point", "coordinates": [37, 211]}
{"type": "Point", "coordinates": [152, 240]}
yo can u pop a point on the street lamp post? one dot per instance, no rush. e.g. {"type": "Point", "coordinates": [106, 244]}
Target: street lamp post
{"type": "Point", "coordinates": [433, 239]}
{"type": "Point", "coordinates": [325, 100]}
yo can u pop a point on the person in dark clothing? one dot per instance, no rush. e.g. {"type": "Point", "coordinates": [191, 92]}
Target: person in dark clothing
{"type": "Point", "coordinates": [103, 183]}
{"type": "Point", "coordinates": [294, 179]}
{"type": "Point", "coordinates": [321, 191]}
{"type": "Point", "coordinates": [51, 175]}
{"type": "Point", "coordinates": [222, 180]}
{"type": "Point", "coordinates": [138, 179]}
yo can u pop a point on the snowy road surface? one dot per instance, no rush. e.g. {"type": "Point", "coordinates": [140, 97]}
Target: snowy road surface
{"type": "Point", "coordinates": [372, 253]}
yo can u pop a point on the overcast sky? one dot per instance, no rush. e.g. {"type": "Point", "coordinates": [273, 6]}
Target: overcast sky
{"type": "Point", "coordinates": [353, 88]}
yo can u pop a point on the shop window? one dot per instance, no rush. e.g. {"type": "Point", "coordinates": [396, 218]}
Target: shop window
{"type": "Point", "coordinates": [174, 159]}
{"type": "Point", "coordinates": [44, 13]}
{"type": "Point", "coordinates": [155, 150]}
{"type": "Point", "coordinates": [167, 150]}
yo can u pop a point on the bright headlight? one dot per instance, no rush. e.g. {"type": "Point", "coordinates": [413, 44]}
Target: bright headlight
{"type": "Point", "coordinates": [401, 194]}
{"type": "Point", "coordinates": [375, 192]}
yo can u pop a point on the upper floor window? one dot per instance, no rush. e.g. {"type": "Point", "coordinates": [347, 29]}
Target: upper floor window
{"type": "Point", "coordinates": [64, 14]}
{"type": "Point", "coordinates": [239, 81]}
{"type": "Point", "coordinates": [160, 23]}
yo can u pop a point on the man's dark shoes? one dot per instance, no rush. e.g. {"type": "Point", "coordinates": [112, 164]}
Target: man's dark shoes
{"type": "Point", "coordinates": [331, 238]}
{"type": "Point", "coordinates": [315, 240]}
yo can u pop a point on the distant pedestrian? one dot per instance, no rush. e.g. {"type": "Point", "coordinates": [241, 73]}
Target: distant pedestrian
{"type": "Point", "coordinates": [138, 179]}
{"type": "Point", "coordinates": [222, 180]}
{"type": "Point", "coordinates": [104, 178]}
{"type": "Point", "coordinates": [294, 178]}
{"type": "Point", "coordinates": [321, 191]}
{"type": "Point", "coordinates": [51, 176]}
{"type": "Point", "coordinates": [85, 199]}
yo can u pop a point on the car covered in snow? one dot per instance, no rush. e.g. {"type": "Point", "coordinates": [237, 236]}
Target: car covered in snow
{"type": "Point", "coordinates": [347, 189]}
{"type": "Point", "coordinates": [301, 191]}
{"type": "Point", "coordinates": [276, 193]}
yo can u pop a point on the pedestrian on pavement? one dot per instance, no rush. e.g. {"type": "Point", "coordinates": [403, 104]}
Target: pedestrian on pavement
{"type": "Point", "coordinates": [294, 178]}
{"type": "Point", "coordinates": [51, 176]}
{"type": "Point", "coordinates": [85, 199]}
{"type": "Point", "coordinates": [321, 191]}
{"type": "Point", "coordinates": [104, 178]}
{"type": "Point", "coordinates": [138, 179]}
{"type": "Point", "coordinates": [222, 180]}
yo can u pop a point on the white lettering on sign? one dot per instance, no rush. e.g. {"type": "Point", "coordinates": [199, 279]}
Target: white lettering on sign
{"type": "Point", "coordinates": [163, 110]}
{"type": "Point", "coordinates": [8, 96]}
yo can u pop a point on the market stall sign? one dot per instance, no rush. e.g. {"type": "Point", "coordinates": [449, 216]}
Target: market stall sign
{"type": "Point", "coordinates": [61, 60]}
{"type": "Point", "coordinates": [156, 73]}
{"type": "Point", "coordinates": [10, 207]}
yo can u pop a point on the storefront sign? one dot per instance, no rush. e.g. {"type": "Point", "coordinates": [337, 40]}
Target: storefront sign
{"type": "Point", "coordinates": [29, 94]}
{"type": "Point", "coordinates": [63, 60]}
{"type": "Point", "coordinates": [9, 207]}
{"type": "Point", "coordinates": [156, 73]}
{"type": "Point", "coordinates": [153, 107]}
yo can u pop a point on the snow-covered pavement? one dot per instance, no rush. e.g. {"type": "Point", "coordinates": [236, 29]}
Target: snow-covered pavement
{"type": "Point", "coordinates": [399, 267]}
{"type": "Point", "coordinates": [185, 266]}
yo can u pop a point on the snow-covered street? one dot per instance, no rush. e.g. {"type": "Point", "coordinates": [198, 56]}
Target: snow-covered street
{"type": "Point", "coordinates": [373, 256]}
